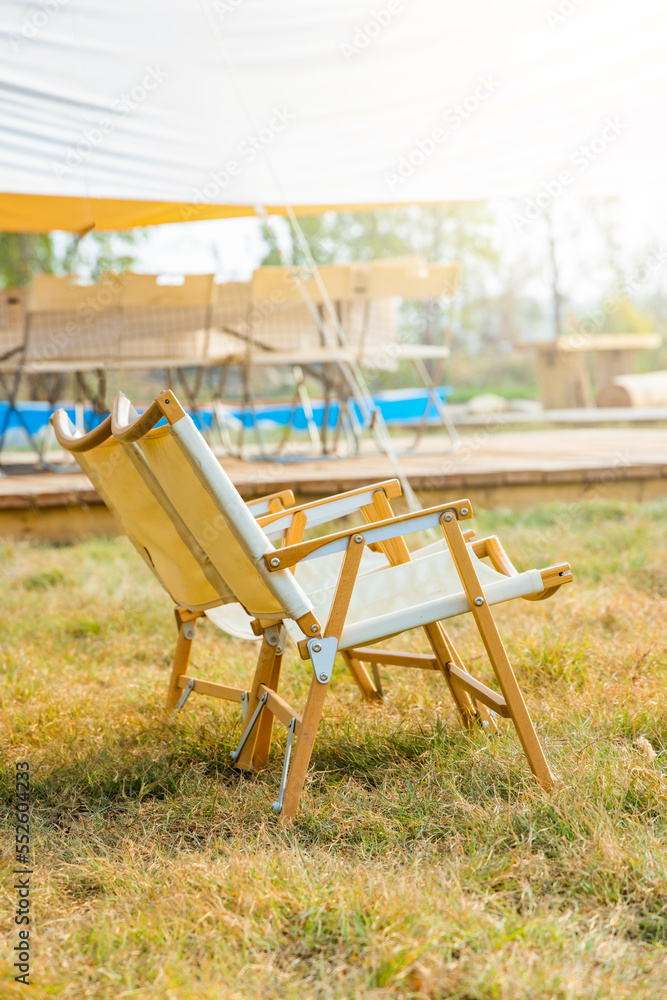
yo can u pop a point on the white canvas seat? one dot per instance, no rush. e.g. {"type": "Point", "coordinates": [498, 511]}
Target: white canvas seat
{"type": "Point", "coordinates": [378, 605]}
{"type": "Point", "coordinates": [366, 605]}
{"type": "Point", "coordinates": [313, 576]}
{"type": "Point", "coordinates": [380, 591]}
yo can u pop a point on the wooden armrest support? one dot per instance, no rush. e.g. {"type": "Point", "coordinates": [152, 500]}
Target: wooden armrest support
{"type": "Point", "coordinates": [393, 527]}
{"type": "Point", "coordinates": [277, 502]}
{"type": "Point", "coordinates": [165, 405]}
{"type": "Point", "coordinates": [559, 574]}
{"type": "Point", "coordinates": [492, 547]}
{"type": "Point", "coordinates": [319, 510]}
{"type": "Point", "coordinates": [553, 577]}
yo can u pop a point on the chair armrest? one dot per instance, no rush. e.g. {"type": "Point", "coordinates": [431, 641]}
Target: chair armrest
{"type": "Point", "coordinates": [553, 577]}
{"type": "Point", "coordinates": [378, 531]}
{"type": "Point", "coordinates": [322, 511]}
{"type": "Point", "coordinates": [271, 504]}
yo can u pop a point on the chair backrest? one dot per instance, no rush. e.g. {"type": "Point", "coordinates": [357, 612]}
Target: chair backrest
{"type": "Point", "coordinates": [12, 330]}
{"type": "Point", "coordinates": [166, 322]}
{"type": "Point", "coordinates": [125, 483]}
{"type": "Point", "coordinates": [210, 506]}
{"type": "Point", "coordinates": [70, 322]}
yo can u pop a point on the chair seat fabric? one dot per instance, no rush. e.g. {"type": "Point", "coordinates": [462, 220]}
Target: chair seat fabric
{"type": "Point", "coordinates": [314, 574]}
{"type": "Point", "coordinates": [389, 599]}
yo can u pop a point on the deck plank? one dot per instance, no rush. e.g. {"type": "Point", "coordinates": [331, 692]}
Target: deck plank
{"type": "Point", "coordinates": [513, 467]}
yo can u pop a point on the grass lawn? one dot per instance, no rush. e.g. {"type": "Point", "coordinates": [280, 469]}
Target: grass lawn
{"type": "Point", "coordinates": [424, 863]}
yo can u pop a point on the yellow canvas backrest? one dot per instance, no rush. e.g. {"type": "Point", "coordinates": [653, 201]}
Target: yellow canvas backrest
{"type": "Point", "coordinates": [212, 509]}
{"type": "Point", "coordinates": [120, 475]}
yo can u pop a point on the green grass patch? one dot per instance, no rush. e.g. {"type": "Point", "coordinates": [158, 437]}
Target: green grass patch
{"type": "Point", "coordinates": [425, 861]}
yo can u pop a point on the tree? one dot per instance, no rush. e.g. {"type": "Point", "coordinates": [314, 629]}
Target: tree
{"type": "Point", "coordinates": [25, 254]}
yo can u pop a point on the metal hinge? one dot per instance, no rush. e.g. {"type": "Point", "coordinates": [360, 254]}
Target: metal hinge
{"type": "Point", "coordinates": [187, 691]}
{"type": "Point", "coordinates": [278, 806]}
{"type": "Point", "coordinates": [235, 754]}
{"type": "Point", "coordinates": [322, 655]}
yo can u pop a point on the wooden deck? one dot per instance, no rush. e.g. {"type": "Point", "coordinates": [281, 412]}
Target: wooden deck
{"type": "Point", "coordinates": [493, 468]}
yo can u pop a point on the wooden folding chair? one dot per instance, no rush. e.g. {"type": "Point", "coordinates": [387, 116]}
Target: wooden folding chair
{"type": "Point", "coordinates": [360, 609]}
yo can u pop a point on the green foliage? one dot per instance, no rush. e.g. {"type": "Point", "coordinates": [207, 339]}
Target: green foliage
{"type": "Point", "coordinates": [44, 580]}
{"type": "Point", "coordinates": [25, 254]}
{"type": "Point", "coordinates": [438, 232]}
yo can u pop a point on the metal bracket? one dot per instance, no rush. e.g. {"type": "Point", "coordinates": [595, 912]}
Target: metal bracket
{"type": "Point", "coordinates": [187, 691]}
{"type": "Point", "coordinates": [485, 725]}
{"type": "Point", "coordinates": [188, 630]}
{"type": "Point", "coordinates": [322, 653]}
{"type": "Point", "coordinates": [275, 636]}
{"type": "Point", "coordinates": [244, 704]}
{"type": "Point", "coordinates": [278, 806]}
{"type": "Point", "coordinates": [235, 754]}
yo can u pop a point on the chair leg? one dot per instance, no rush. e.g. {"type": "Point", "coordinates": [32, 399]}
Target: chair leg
{"type": "Point", "coordinates": [305, 738]}
{"type": "Point", "coordinates": [444, 652]}
{"type": "Point", "coordinates": [497, 654]}
{"type": "Point", "coordinates": [513, 697]}
{"type": "Point", "coordinates": [186, 635]}
{"type": "Point", "coordinates": [475, 710]}
{"type": "Point", "coordinates": [265, 725]}
{"type": "Point", "coordinates": [364, 683]}
{"type": "Point", "coordinates": [263, 674]}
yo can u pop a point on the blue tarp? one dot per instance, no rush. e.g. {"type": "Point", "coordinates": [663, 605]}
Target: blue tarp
{"type": "Point", "coordinates": [398, 406]}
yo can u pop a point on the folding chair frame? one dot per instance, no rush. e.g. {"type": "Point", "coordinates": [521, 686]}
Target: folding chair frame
{"type": "Point", "coordinates": [476, 703]}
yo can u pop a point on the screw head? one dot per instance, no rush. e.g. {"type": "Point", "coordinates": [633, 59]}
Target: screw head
{"type": "Point", "coordinates": [275, 561]}
{"type": "Point", "coordinates": [317, 647]}
{"type": "Point", "coordinates": [323, 677]}
{"type": "Point", "coordinates": [314, 628]}
{"type": "Point", "coordinates": [358, 539]}
{"type": "Point", "coordinates": [448, 516]}
{"type": "Point", "coordinates": [464, 510]}
{"type": "Point", "coordinates": [479, 601]}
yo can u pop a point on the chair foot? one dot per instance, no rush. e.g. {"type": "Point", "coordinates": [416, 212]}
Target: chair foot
{"type": "Point", "coordinates": [278, 806]}
{"type": "Point", "coordinates": [304, 748]}
{"type": "Point", "coordinates": [267, 672]}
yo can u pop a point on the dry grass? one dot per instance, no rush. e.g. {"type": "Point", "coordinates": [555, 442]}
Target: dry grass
{"type": "Point", "coordinates": [425, 863]}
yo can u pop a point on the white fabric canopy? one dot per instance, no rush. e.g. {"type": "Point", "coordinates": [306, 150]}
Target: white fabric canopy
{"type": "Point", "coordinates": [128, 112]}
